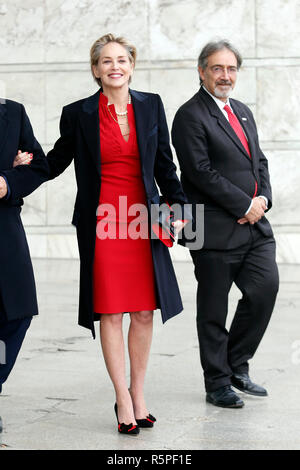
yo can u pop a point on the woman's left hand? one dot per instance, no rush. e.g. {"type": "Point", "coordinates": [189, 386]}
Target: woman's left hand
{"type": "Point", "coordinates": [23, 158]}
{"type": "Point", "coordinates": [178, 225]}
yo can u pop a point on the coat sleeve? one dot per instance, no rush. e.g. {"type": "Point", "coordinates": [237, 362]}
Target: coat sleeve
{"type": "Point", "coordinates": [165, 169]}
{"type": "Point", "coordinates": [265, 179]}
{"type": "Point", "coordinates": [62, 154]}
{"type": "Point", "coordinates": [24, 179]}
{"type": "Point", "coordinates": [8, 189]}
{"type": "Point", "coordinates": [190, 142]}
{"type": "Point", "coordinates": [264, 176]}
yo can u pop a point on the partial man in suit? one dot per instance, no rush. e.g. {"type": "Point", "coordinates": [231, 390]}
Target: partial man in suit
{"type": "Point", "coordinates": [224, 168]}
{"type": "Point", "coordinates": [18, 303]}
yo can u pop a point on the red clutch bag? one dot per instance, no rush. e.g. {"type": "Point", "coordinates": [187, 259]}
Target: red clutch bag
{"type": "Point", "coordinates": [162, 224]}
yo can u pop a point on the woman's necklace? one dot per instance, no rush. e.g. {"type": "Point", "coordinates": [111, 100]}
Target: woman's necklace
{"type": "Point", "coordinates": [119, 114]}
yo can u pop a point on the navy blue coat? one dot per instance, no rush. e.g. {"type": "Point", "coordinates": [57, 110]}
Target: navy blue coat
{"type": "Point", "coordinates": [17, 286]}
{"type": "Point", "coordinates": [80, 140]}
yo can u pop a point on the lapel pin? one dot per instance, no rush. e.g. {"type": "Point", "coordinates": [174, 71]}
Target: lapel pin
{"type": "Point", "coordinates": [244, 119]}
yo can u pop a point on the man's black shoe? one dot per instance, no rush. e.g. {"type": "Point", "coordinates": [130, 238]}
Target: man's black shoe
{"type": "Point", "coordinates": [242, 382]}
{"type": "Point", "coordinates": [224, 397]}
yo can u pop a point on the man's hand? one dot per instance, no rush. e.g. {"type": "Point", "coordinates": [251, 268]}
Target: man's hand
{"type": "Point", "coordinates": [3, 187]}
{"type": "Point", "coordinates": [263, 202]}
{"type": "Point", "coordinates": [256, 212]}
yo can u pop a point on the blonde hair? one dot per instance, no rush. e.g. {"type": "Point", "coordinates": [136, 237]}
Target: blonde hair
{"type": "Point", "coordinates": [101, 42]}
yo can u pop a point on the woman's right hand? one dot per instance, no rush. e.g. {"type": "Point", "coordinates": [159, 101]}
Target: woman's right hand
{"type": "Point", "coordinates": [23, 158]}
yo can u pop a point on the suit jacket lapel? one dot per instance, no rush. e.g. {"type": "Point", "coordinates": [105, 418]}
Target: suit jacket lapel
{"type": "Point", "coordinates": [224, 124]}
{"type": "Point", "coordinates": [3, 126]}
{"type": "Point", "coordinates": [141, 113]}
{"type": "Point", "coordinates": [89, 120]}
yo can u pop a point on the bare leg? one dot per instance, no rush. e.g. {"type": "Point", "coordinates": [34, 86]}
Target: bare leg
{"type": "Point", "coordinates": [112, 342]}
{"type": "Point", "coordinates": [139, 343]}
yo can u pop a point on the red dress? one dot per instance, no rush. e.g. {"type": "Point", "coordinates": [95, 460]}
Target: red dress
{"type": "Point", "coordinates": [123, 266]}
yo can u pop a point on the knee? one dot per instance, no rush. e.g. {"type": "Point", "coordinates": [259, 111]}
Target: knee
{"type": "Point", "coordinates": [114, 319]}
{"type": "Point", "coordinates": [272, 285]}
{"type": "Point", "coordinates": [144, 317]}
{"type": "Point", "coordinates": [265, 292]}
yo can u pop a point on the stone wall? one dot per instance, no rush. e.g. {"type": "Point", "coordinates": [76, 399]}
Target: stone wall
{"type": "Point", "coordinates": [44, 53]}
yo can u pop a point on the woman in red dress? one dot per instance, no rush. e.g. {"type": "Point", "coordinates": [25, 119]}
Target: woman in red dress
{"type": "Point", "coordinates": [123, 266]}
{"type": "Point", "coordinates": [119, 141]}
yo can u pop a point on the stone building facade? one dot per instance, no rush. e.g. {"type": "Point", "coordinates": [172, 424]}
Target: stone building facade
{"type": "Point", "coordinates": [44, 63]}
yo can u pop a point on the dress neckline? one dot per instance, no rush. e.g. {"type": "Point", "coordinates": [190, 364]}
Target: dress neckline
{"type": "Point", "coordinates": [104, 100]}
{"type": "Point", "coordinates": [111, 111]}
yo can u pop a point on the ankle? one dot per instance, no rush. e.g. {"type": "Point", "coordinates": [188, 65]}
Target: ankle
{"type": "Point", "coordinates": [122, 397]}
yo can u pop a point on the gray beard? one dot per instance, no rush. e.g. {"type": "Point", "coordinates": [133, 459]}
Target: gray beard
{"type": "Point", "coordinates": [222, 94]}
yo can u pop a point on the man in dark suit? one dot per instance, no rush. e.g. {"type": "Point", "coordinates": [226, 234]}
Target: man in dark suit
{"type": "Point", "coordinates": [18, 301]}
{"type": "Point", "coordinates": [224, 168]}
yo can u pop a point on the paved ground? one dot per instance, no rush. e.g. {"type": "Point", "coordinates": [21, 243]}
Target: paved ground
{"type": "Point", "coordinates": [59, 395]}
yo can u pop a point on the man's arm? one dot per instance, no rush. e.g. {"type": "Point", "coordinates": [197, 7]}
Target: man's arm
{"type": "Point", "coordinates": [264, 176]}
{"type": "Point", "coordinates": [22, 180]}
{"type": "Point", "coordinates": [190, 141]}
{"type": "Point", "coordinates": [4, 188]}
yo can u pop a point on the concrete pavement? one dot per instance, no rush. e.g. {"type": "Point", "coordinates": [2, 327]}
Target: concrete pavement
{"type": "Point", "coordinates": [60, 397]}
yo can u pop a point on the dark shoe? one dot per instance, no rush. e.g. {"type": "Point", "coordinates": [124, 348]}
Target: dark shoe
{"type": "Point", "coordinates": [146, 422]}
{"type": "Point", "coordinates": [130, 429]}
{"type": "Point", "coordinates": [224, 397]}
{"type": "Point", "coordinates": [242, 382]}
